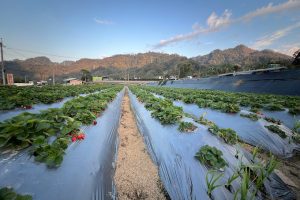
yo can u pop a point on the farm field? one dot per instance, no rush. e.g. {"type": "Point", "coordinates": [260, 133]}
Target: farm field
{"type": "Point", "coordinates": [106, 141]}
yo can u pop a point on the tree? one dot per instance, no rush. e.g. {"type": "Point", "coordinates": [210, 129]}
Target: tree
{"type": "Point", "coordinates": [236, 68]}
{"type": "Point", "coordinates": [18, 79]}
{"type": "Point", "coordinates": [296, 56]}
{"type": "Point", "coordinates": [86, 75]}
{"type": "Point", "coordinates": [187, 67]}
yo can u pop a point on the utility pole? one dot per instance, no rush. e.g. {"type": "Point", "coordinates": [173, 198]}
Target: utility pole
{"type": "Point", "coordinates": [53, 74]}
{"type": "Point", "coordinates": [2, 62]}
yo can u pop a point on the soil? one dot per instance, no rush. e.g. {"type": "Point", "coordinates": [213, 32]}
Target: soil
{"type": "Point", "coordinates": [287, 169]}
{"type": "Point", "coordinates": [136, 176]}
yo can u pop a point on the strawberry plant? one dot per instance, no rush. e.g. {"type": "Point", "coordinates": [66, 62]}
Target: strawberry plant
{"type": "Point", "coordinates": [51, 154]}
{"type": "Point", "coordinates": [231, 108]}
{"type": "Point", "coordinates": [9, 194]}
{"type": "Point", "coordinates": [204, 121]}
{"type": "Point", "coordinates": [186, 127]}
{"type": "Point", "coordinates": [229, 101]}
{"type": "Point", "coordinates": [252, 116]}
{"type": "Point", "coordinates": [274, 107]}
{"type": "Point", "coordinates": [295, 110]}
{"type": "Point", "coordinates": [162, 109]}
{"type": "Point", "coordinates": [24, 97]}
{"type": "Point", "coordinates": [227, 134]}
{"type": "Point", "coordinates": [63, 124]}
{"type": "Point", "coordinates": [254, 109]}
{"type": "Point", "coordinates": [211, 157]}
{"type": "Point", "coordinates": [19, 131]}
{"type": "Point", "coordinates": [272, 120]}
{"type": "Point", "coordinates": [277, 130]}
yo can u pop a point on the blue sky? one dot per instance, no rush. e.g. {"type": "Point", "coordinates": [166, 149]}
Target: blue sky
{"type": "Point", "coordinates": [73, 29]}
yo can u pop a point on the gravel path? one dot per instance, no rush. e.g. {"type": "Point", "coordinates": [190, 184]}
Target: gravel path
{"type": "Point", "coordinates": [136, 175]}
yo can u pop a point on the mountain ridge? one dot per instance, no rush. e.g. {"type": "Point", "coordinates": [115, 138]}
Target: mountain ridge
{"type": "Point", "coordinates": [150, 63]}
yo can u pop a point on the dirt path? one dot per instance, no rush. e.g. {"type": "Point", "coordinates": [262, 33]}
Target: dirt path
{"type": "Point", "coordinates": [136, 176]}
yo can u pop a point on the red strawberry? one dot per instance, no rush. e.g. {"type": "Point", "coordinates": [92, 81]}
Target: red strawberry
{"type": "Point", "coordinates": [94, 122]}
{"type": "Point", "coordinates": [81, 136]}
{"type": "Point", "coordinates": [74, 139]}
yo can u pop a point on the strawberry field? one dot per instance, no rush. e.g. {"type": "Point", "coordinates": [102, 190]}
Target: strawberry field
{"type": "Point", "coordinates": [60, 142]}
{"type": "Point", "coordinates": [206, 142]}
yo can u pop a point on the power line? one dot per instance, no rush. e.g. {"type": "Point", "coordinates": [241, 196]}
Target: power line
{"type": "Point", "coordinates": [41, 53]}
{"type": "Point", "coordinates": [16, 53]}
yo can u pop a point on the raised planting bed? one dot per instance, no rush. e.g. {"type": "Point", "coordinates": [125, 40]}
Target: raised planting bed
{"type": "Point", "coordinates": [87, 169]}
{"type": "Point", "coordinates": [180, 170]}
{"type": "Point", "coordinates": [24, 97]}
{"type": "Point", "coordinates": [39, 130]}
{"type": "Point", "coordinates": [277, 130]}
{"type": "Point", "coordinates": [248, 131]}
{"type": "Point", "coordinates": [229, 101]}
{"type": "Point", "coordinates": [161, 109]}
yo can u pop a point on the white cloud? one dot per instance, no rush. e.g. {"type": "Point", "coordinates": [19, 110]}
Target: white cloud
{"type": "Point", "coordinates": [104, 22]}
{"type": "Point", "coordinates": [270, 39]}
{"type": "Point", "coordinates": [289, 49]}
{"type": "Point", "coordinates": [215, 22]}
{"type": "Point", "coordinates": [270, 8]}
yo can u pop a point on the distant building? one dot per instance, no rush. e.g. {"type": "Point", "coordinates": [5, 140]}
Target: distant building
{"type": "Point", "coordinates": [189, 77]}
{"type": "Point", "coordinates": [255, 71]}
{"type": "Point", "coordinates": [72, 81]}
{"type": "Point", "coordinates": [10, 79]}
{"type": "Point", "coordinates": [40, 83]}
{"type": "Point", "coordinates": [105, 78]}
{"type": "Point", "coordinates": [160, 77]}
{"type": "Point", "coordinates": [97, 78]}
{"type": "Point", "coordinates": [100, 78]}
{"type": "Point", "coordinates": [30, 83]}
{"type": "Point", "coordinates": [173, 78]}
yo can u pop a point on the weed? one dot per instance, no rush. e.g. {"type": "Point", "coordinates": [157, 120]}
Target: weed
{"type": "Point", "coordinates": [211, 182]}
